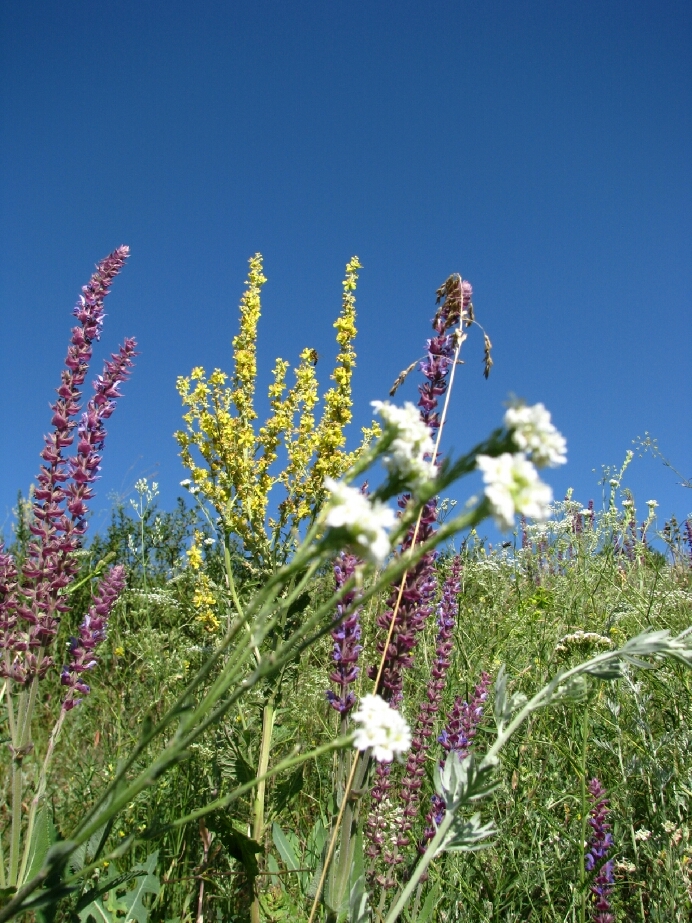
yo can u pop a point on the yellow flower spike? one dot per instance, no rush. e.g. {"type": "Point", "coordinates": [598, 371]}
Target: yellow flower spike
{"type": "Point", "coordinates": [236, 474]}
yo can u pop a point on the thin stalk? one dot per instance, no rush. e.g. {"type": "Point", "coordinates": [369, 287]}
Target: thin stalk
{"type": "Point", "coordinates": [421, 868]}
{"type": "Point", "coordinates": [258, 821]}
{"type": "Point", "coordinates": [27, 702]}
{"type": "Point", "coordinates": [40, 791]}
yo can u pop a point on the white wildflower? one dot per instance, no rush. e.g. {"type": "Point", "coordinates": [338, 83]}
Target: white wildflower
{"type": "Point", "coordinates": [412, 442]}
{"type": "Point", "coordinates": [533, 433]}
{"type": "Point", "coordinates": [366, 523]}
{"type": "Point", "coordinates": [652, 504]}
{"type": "Point", "coordinates": [185, 483]}
{"type": "Point", "coordinates": [383, 729]}
{"type": "Point", "coordinates": [513, 486]}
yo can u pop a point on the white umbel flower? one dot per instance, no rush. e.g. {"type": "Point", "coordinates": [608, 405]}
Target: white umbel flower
{"type": "Point", "coordinates": [534, 433]}
{"type": "Point", "coordinates": [411, 443]}
{"type": "Point", "coordinates": [366, 523]}
{"type": "Point", "coordinates": [513, 486]}
{"type": "Point", "coordinates": [383, 729]}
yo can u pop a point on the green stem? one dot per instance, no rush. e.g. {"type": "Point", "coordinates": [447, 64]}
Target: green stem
{"type": "Point", "coordinates": [258, 819]}
{"type": "Point", "coordinates": [421, 868]}
{"type": "Point", "coordinates": [40, 791]}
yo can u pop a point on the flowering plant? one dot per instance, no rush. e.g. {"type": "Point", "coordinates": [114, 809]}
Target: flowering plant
{"type": "Point", "coordinates": [384, 835]}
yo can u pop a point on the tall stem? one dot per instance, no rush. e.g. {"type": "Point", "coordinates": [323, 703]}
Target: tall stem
{"type": "Point", "coordinates": [258, 819]}
{"type": "Point", "coordinates": [20, 745]}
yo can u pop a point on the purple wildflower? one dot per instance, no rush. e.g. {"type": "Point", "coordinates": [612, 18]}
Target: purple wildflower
{"type": "Point", "coordinates": [92, 632]}
{"type": "Point", "coordinates": [411, 599]}
{"type": "Point", "coordinates": [415, 765]}
{"type": "Point", "coordinates": [597, 850]}
{"type": "Point", "coordinates": [458, 737]}
{"type": "Point", "coordinates": [58, 520]}
{"type": "Point", "coordinates": [346, 636]}
{"type": "Point", "coordinates": [414, 608]}
{"type": "Point", "coordinates": [464, 720]}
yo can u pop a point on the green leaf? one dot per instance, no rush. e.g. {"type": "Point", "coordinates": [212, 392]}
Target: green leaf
{"type": "Point", "coordinates": [285, 850]}
{"type": "Point", "coordinates": [239, 846]}
{"type": "Point", "coordinates": [42, 837]}
{"type": "Point", "coordinates": [125, 905]}
{"type": "Point", "coordinates": [429, 905]}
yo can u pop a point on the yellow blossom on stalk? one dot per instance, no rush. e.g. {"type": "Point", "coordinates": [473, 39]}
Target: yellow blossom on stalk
{"type": "Point", "coordinates": [232, 466]}
{"type": "Point", "coordinates": [194, 553]}
{"type": "Point", "coordinates": [204, 603]}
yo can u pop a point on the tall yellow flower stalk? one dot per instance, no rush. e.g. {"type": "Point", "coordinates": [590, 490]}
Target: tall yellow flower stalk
{"type": "Point", "coordinates": [233, 464]}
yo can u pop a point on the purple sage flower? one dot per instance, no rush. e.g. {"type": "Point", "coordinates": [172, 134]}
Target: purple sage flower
{"type": "Point", "coordinates": [415, 765]}
{"type": "Point", "coordinates": [58, 520]}
{"type": "Point", "coordinates": [346, 636]}
{"type": "Point", "coordinates": [412, 597]}
{"type": "Point", "coordinates": [92, 632]}
{"type": "Point", "coordinates": [597, 850]}
{"type": "Point", "coordinates": [457, 736]}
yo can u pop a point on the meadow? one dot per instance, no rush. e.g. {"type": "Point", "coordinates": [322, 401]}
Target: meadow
{"type": "Point", "coordinates": [297, 697]}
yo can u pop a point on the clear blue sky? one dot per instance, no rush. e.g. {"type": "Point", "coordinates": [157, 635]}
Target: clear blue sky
{"type": "Point", "coordinates": [542, 149]}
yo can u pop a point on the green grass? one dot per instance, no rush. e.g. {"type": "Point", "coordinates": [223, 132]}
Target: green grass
{"type": "Point", "coordinates": [523, 608]}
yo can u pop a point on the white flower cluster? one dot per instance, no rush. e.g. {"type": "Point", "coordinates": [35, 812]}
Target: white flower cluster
{"type": "Point", "coordinates": [412, 442]}
{"type": "Point", "coordinates": [383, 728]}
{"type": "Point", "coordinates": [513, 486]}
{"type": "Point", "coordinates": [534, 433]}
{"type": "Point", "coordinates": [366, 523]}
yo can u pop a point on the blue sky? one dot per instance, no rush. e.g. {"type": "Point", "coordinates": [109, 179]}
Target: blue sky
{"type": "Point", "coordinates": [541, 149]}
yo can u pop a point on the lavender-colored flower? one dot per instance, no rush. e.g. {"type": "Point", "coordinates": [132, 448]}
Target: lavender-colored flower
{"type": "Point", "coordinates": [414, 608]}
{"type": "Point", "coordinates": [58, 520]}
{"type": "Point", "coordinates": [346, 638]}
{"type": "Point", "coordinates": [463, 724]}
{"type": "Point", "coordinates": [92, 632]}
{"type": "Point", "coordinates": [412, 597]}
{"type": "Point", "coordinates": [415, 766]}
{"type": "Point", "coordinates": [8, 599]}
{"type": "Point", "coordinates": [457, 736]}
{"type": "Point", "coordinates": [597, 850]}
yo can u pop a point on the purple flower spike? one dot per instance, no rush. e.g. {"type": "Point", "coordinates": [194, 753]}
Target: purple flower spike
{"type": "Point", "coordinates": [92, 632]}
{"type": "Point", "coordinates": [457, 736]}
{"type": "Point", "coordinates": [423, 732]}
{"type": "Point", "coordinates": [419, 587]}
{"type": "Point", "coordinates": [58, 519]}
{"type": "Point", "coordinates": [597, 850]}
{"type": "Point", "coordinates": [8, 600]}
{"type": "Point", "coordinates": [465, 718]}
{"type": "Point", "coordinates": [346, 637]}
